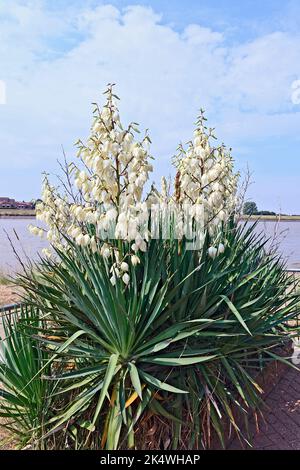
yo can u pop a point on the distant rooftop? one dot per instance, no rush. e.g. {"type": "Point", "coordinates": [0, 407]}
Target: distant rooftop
{"type": "Point", "coordinates": [8, 203]}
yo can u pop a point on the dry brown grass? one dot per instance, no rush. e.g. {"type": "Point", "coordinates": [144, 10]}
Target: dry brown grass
{"type": "Point", "coordinates": [6, 441]}
{"type": "Point", "coordinates": [276, 218]}
{"type": "Point", "coordinates": [8, 294]}
{"type": "Point", "coordinates": [17, 212]}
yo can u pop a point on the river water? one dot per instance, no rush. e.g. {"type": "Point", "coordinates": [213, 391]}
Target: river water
{"type": "Point", "coordinates": [25, 244]}
{"type": "Point", "coordinates": [285, 233]}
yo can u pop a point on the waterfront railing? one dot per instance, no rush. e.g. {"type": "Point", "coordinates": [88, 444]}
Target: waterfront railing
{"type": "Point", "coordinates": [9, 309]}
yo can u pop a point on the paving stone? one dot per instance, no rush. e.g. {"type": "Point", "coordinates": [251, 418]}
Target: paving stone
{"type": "Point", "coordinates": [261, 440]}
{"type": "Point", "coordinates": [278, 446]}
{"type": "Point", "coordinates": [271, 418]}
{"type": "Point", "coordinates": [281, 429]}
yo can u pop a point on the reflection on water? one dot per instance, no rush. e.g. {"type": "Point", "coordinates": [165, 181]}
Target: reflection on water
{"type": "Point", "coordinates": [285, 233]}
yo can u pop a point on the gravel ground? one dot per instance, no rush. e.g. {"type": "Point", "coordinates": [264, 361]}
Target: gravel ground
{"type": "Point", "coordinates": [8, 295]}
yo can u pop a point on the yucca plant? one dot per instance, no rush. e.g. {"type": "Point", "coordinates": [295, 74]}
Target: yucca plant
{"type": "Point", "coordinates": [145, 336]}
{"type": "Point", "coordinates": [183, 341]}
{"type": "Point", "coordinates": [24, 397]}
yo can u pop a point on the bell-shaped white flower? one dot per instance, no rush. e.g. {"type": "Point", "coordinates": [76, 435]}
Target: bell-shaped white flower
{"type": "Point", "coordinates": [135, 260]}
{"type": "Point", "coordinates": [221, 248]}
{"type": "Point", "coordinates": [105, 251]}
{"type": "Point", "coordinates": [124, 266]}
{"type": "Point", "coordinates": [212, 251]}
{"type": "Point", "coordinates": [126, 278]}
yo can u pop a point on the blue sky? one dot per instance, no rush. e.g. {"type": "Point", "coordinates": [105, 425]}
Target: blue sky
{"type": "Point", "coordinates": [238, 60]}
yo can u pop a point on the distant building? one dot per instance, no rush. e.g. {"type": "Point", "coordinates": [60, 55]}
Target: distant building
{"type": "Point", "coordinates": [7, 203]}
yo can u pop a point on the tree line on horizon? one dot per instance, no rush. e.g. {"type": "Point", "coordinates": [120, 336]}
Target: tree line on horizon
{"type": "Point", "coordinates": [250, 208]}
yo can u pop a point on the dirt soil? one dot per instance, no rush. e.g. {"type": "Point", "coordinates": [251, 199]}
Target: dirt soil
{"type": "Point", "coordinates": [6, 442]}
{"type": "Point", "coordinates": [8, 295]}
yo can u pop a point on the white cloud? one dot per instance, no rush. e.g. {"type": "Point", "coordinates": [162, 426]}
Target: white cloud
{"type": "Point", "coordinates": [2, 92]}
{"type": "Point", "coordinates": [261, 72]}
{"type": "Point", "coordinates": [198, 35]}
{"type": "Point", "coordinates": [56, 64]}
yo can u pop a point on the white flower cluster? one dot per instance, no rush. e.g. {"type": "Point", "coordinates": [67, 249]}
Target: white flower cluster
{"type": "Point", "coordinates": [110, 183]}
{"type": "Point", "coordinates": [103, 198]}
{"type": "Point", "coordinates": [205, 182]}
{"type": "Point", "coordinates": [54, 212]}
{"type": "Point", "coordinates": [206, 176]}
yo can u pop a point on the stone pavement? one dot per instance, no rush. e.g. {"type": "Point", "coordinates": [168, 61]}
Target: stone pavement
{"type": "Point", "coordinates": [281, 429]}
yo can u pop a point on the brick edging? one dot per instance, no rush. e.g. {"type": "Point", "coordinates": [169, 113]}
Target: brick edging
{"type": "Point", "coordinates": [267, 379]}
